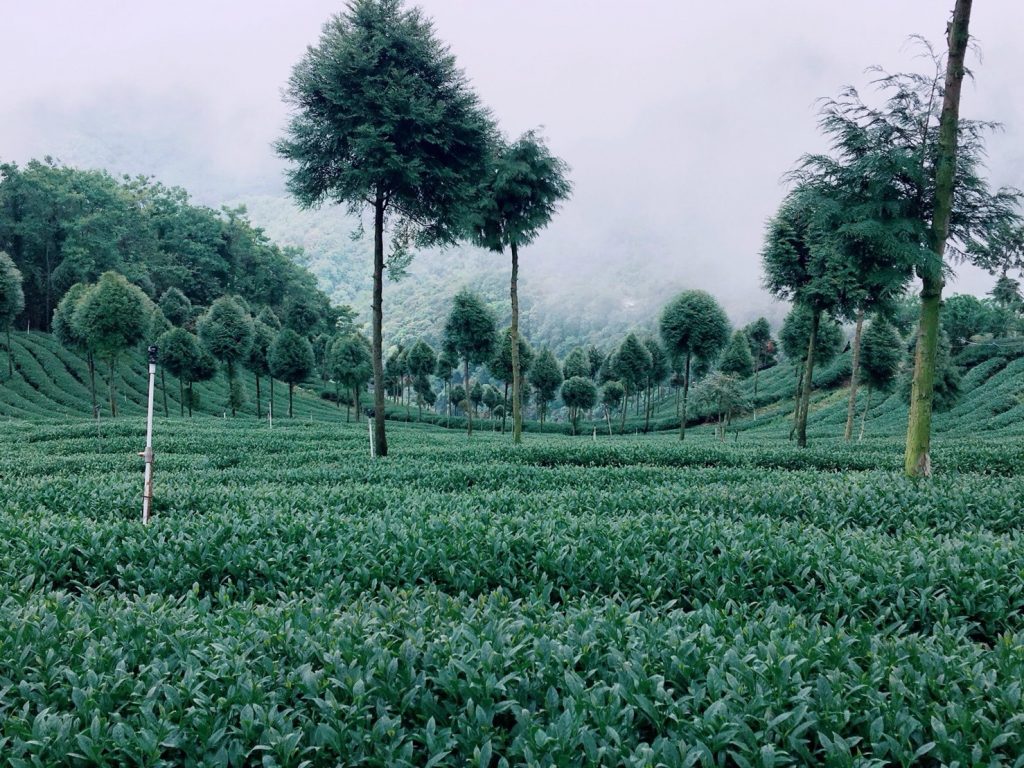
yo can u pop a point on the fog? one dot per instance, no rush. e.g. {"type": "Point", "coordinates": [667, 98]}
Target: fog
{"type": "Point", "coordinates": [679, 120]}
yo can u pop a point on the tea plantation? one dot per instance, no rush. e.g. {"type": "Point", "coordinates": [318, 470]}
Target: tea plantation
{"type": "Point", "coordinates": [624, 601]}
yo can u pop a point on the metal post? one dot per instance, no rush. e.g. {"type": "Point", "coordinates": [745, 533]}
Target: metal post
{"type": "Point", "coordinates": [147, 486]}
{"type": "Point", "coordinates": [373, 448]}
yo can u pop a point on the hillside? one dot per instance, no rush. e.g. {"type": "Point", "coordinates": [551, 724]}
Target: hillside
{"type": "Point", "coordinates": [562, 305]}
{"type": "Point", "coordinates": [51, 382]}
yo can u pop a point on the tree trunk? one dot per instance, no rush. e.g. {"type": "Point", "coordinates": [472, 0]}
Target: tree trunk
{"type": "Point", "coordinates": [854, 370]}
{"type": "Point", "coordinates": [181, 397]}
{"type": "Point", "coordinates": [867, 407]}
{"type": "Point", "coordinates": [163, 390]}
{"type": "Point", "coordinates": [517, 375]}
{"type": "Point", "coordinates": [290, 412]}
{"type": "Point", "coordinates": [259, 411]}
{"type": "Point", "coordinates": [917, 459]}
{"type": "Point", "coordinates": [757, 370]}
{"type": "Point", "coordinates": [92, 385]}
{"type": "Point", "coordinates": [112, 390]}
{"type": "Point", "coordinates": [356, 398]}
{"type": "Point", "coordinates": [380, 438]}
{"type": "Point", "coordinates": [805, 394]}
{"type": "Point", "coordinates": [504, 409]}
{"type": "Point", "coordinates": [647, 410]}
{"type": "Point", "coordinates": [190, 399]}
{"type": "Point", "coordinates": [469, 399]}
{"type": "Point", "coordinates": [231, 387]}
{"type": "Point", "coordinates": [686, 397]}
{"type": "Point", "coordinates": [10, 357]}
{"type": "Point", "coordinates": [270, 404]}
{"type": "Point", "coordinates": [797, 400]}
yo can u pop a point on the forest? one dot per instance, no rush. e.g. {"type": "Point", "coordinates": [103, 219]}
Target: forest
{"type": "Point", "coordinates": [401, 516]}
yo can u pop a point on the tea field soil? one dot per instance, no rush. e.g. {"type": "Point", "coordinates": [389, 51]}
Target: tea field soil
{"type": "Point", "coordinates": [624, 601]}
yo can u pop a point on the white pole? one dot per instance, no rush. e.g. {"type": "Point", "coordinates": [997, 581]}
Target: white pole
{"type": "Point", "coordinates": [373, 448]}
{"type": "Point", "coordinates": [270, 414]}
{"type": "Point", "coordinates": [147, 485]}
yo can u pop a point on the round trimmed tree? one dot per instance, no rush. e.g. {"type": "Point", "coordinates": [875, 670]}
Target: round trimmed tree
{"type": "Point", "coordinates": [112, 318]}
{"type": "Point", "coordinates": [226, 331]}
{"type": "Point", "coordinates": [693, 325]}
{"type": "Point", "coordinates": [350, 365]}
{"type": "Point", "coordinates": [291, 361]}
{"type": "Point", "coordinates": [579, 394]}
{"type": "Point", "coordinates": [469, 334]}
{"type": "Point", "coordinates": [545, 378]}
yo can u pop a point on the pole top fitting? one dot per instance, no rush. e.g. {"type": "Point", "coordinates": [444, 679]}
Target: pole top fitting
{"type": "Point", "coordinates": [152, 354]}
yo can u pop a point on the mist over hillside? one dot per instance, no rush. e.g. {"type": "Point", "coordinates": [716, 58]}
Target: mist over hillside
{"type": "Point", "coordinates": [673, 178]}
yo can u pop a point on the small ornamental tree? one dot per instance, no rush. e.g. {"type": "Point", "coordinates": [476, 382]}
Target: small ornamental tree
{"type": "Point", "coordinates": [350, 364]}
{"type": "Point", "coordinates": [446, 363]}
{"type": "Point", "coordinates": [520, 194]}
{"type": "Point", "coordinates": [597, 358]}
{"type": "Point", "coordinates": [656, 373]}
{"type": "Point", "coordinates": [545, 378]}
{"type": "Point", "coordinates": [383, 118]}
{"type": "Point", "coordinates": [881, 352]}
{"type": "Point", "coordinates": [577, 363]}
{"type": "Point", "coordinates": [71, 336]}
{"type": "Point", "coordinates": [762, 346]}
{"type": "Point", "coordinates": [579, 394]}
{"type": "Point", "coordinates": [258, 359]}
{"type": "Point", "coordinates": [476, 395]}
{"type": "Point", "coordinates": [226, 331]}
{"type": "Point", "coordinates": [458, 396]}
{"type": "Point", "coordinates": [425, 393]}
{"type": "Point", "coordinates": [469, 334]}
{"type": "Point", "coordinates": [111, 316]}
{"type": "Point", "coordinates": [794, 338]}
{"type": "Point", "coordinates": [394, 373]}
{"type": "Point", "coordinates": [501, 365]}
{"type": "Point", "coordinates": [176, 307]}
{"type": "Point", "coordinates": [291, 361]}
{"type": "Point", "coordinates": [803, 263]}
{"type": "Point", "coordinates": [12, 302]}
{"type": "Point", "coordinates": [612, 394]}
{"type": "Point", "coordinates": [736, 360]}
{"type": "Point", "coordinates": [421, 361]}
{"type": "Point", "coordinates": [721, 394]}
{"type": "Point", "coordinates": [693, 325]}
{"type": "Point", "coordinates": [184, 357]}
{"type": "Point", "coordinates": [631, 366]}
{"type": "Point", "coordinates": [1007, 294]}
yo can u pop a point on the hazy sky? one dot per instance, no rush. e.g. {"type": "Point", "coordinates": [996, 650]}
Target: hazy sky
{"type": "Point", "coordinates": [678, 118]}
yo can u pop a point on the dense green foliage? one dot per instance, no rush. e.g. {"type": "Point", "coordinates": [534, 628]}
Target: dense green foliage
{"type": "Point", "coordinates": [63, 226]}
{"type": "Point", "coordinates": [291, 360]}
{"type": "Point", "coordinates": [636, 600]}
{"type": "Point", "coordinates": [12, 301]}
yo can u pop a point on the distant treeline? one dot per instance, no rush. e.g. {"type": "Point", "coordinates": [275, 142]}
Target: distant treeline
{"type": "Point", "coordinates": [63, 226]}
